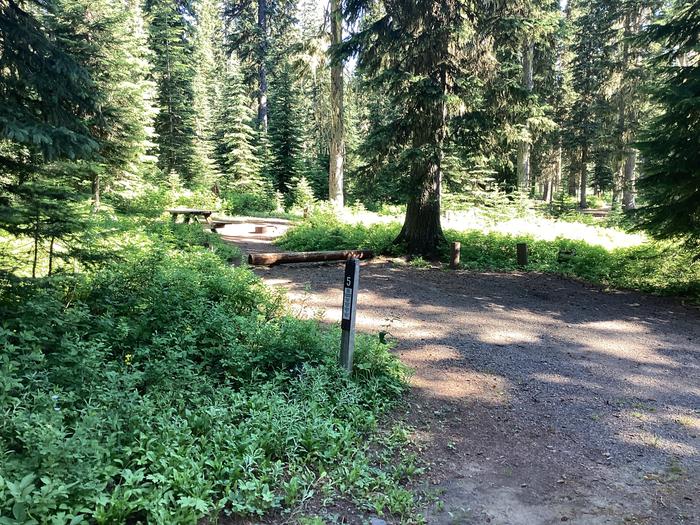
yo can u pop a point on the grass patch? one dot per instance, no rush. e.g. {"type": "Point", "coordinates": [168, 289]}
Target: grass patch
{"type": "Point", "coordinates": [657, 267]}
{"type": "Point", "coordinates": [164, 386]}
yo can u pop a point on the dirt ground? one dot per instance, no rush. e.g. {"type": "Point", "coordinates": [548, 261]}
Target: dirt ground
{"type": "Point", "coordinates": [536, 399]}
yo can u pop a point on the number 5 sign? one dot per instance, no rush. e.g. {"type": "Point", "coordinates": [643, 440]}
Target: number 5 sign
{"type": "Point", "coordinates": [347, 324]}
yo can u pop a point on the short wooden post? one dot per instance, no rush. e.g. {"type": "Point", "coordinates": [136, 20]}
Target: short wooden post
{"type": "Point", "coordinates": [351, 284]}
{"type": "Point", "coordinates": [259, 230]}
{"type": "Point", "coordinates": [522, 254]}
{"type": "Point", "coordinates": [456, 252]}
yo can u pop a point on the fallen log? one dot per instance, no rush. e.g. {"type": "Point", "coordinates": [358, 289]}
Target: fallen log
{"type": "Point", "coordinates": [272, 259]}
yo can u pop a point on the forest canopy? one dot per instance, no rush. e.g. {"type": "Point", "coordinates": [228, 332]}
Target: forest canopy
{"type": "Point", "coordinates": [269, 102]}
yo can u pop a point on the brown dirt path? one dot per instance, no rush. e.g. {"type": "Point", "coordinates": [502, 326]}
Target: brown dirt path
{"type": "Point", "coordinates": [536, 399]}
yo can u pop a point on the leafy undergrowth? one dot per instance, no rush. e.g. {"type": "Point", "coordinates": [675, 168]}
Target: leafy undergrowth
{"type": "Point", "coordinates": [169, 386]}
{"type": "Point", "coordinates": [657, 267]}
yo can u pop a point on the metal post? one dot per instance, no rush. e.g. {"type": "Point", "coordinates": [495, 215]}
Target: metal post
{"type": "Point", "coordinates": [351, 284]}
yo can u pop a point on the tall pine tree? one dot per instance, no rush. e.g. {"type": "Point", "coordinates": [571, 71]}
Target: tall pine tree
{"type": "Point", "coordinates": [236, 133]}
{"type": "Point", "coordinates": [170, 39]}
{"type": "Point", "coordinates": [426, 53]}
{"type": "Point", "coordinates": [670, 146]}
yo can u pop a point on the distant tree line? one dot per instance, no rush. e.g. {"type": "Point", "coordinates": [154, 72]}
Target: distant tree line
{"type": "Point", "coordinates": [402, 101]}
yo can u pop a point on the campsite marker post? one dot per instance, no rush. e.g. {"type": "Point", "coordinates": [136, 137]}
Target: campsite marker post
{"type": "Point", "coordinates": [351, 283]}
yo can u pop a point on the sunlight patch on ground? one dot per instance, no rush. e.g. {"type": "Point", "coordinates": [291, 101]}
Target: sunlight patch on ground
{"type": "Point", "coordinates": [670, 446]}
{"type": "Point", "coordinates": [508, 337]}
{"type": "Point", "coordinates": [537, 227]}
{"type": "Point", "coordinates": [447, 384]}
{"type": "Point", "coordinates": [620, 327]}
{"type": "Point", "coordinates": [637, 353]}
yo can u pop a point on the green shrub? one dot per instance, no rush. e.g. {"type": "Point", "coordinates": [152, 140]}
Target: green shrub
{"type": "Point", "coordinates": [170, 386]}
{"type": "Point", "coordinates": [247, 202]}
{"type": "Point", "coordinates": [324, 231]}
{"type": "Point", "coordinates": [188, 236]}
{"type": "Point", "coordinates": [657, 267]}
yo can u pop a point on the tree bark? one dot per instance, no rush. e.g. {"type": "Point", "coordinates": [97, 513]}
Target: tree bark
{"type": "Point", "coordinates": [422, 231]}
{"type": "Point", "coordinates": [262, 70]}
{"type": "Point", "coordinates": [628, 190]}
{"type": "Point", "coordinates": [272, 259]}
{"type": "Point", "coordinates": [53, 239]}
{"type": "Point", "coordinates": [573, 183]}
{"type": "Point", "coordinates": [36, 246]}
{"type": "Point", "coordinates": [337, 142]}
{"type": "Point", "coordinates": [629, 114]}
{"type": "Point", "coordinates": [524, 167]}
{"type": "Point", "coordinates": [583, 203]}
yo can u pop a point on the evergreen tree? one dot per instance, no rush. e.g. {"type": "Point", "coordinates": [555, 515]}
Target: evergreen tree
{"type": "Point", "coordinates": [670, 146]}
{"type": "Point", "coordinates": [170, 40]}
{"type": "Point", "coordinates": [254, 25]}
{"type": "Point", "coordinates": [285, 131]}
{"type": "Point", "coordinates": [207, 87]}
{"type": "Point", "coordinates": [236, 135]}
{"type": "Point", "coordinates": [112, 47]}
{"type": "Point", "coordinates": [46, 92]}
{"type": "Point", "coordinates": [591, 69]}
{"type": "Point", "coordinates": [426, 54]}
{"type": "Point", "coordinates": [337, 132]}
{"type": "Point", "coordinates": [48, 100]}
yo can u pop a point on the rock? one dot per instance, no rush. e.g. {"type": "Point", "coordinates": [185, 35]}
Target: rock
{"type": "Point", "coordinates": [376, 521]}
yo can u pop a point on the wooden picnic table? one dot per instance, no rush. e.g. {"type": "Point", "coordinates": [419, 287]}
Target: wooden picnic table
{"type": "Point", "coordinates": [190, 213]}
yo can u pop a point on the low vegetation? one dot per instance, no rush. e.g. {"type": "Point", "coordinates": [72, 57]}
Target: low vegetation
{"type": "Point", "coordinates": [653, 266]}
{"type": "Point", "coordinates": [166, 386]}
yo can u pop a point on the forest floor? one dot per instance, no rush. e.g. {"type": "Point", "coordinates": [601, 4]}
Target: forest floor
{"type": "Point", "coordinates": [535, 399]}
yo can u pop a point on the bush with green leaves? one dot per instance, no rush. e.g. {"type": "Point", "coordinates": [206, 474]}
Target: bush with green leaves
{"type": "Point", "coordinates": [170, 386]}
{"type": "Point", "coordinates": [323, 230]}
{"type": "Point", "coordinates": [659, 267]}
{"type": "Point", "coordinates": [247, 202]}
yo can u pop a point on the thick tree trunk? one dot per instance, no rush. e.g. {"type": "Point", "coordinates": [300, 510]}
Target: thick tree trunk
{"type": "Point", "coordinates": [583, 179]}
{"type": "Point", "coordinates": [422, 231]}
{"type": "Point", "coordinates": [337, 142]}
{"type": "Point", "coordinates": [262, 71]}
{"type": "Point", "coordinates": [524, 167]}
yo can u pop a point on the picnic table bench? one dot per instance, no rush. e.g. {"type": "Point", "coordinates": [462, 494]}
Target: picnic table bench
{"type": "Point", "coordinates": [201, 216]}
{"type": "Point", "coordinates": [191, 213]}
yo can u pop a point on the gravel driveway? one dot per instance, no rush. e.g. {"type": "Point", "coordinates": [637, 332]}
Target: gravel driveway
{"type": "Point", "coordinates": [535, 399]}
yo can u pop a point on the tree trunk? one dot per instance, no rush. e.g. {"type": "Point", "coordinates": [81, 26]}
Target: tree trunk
{"type": "Point", "coordinates": [628, 190]}
{"type": "Point", "coordinates": [524, 167]}
{"type": "Point", "coordinates": [556, 183]}
{"type": "Point", "coordinates": [53, 239]}
{"type": "Point", "coordinates": [262, 71]}
{"type": "Point", "coordinates": [629, 113]}
{"type": "Point", "coordinates": [36, 246]}
{"type": "Point", "coordinates": [337, 142]}
{"type": "Point", "coordinates": [96, 193]}
{"type": "Point", "coordinates": [572, 183]}
{"type": "Point", "coordinates": [584, 177]}
{"type": "Point", "coordinates": [422, 231]}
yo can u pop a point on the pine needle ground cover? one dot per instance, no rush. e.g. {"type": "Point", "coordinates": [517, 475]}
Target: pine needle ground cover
{"type": "Point", "coordinates": [169, 386]}
{"type": "Point", "coordinates": [652, 266]}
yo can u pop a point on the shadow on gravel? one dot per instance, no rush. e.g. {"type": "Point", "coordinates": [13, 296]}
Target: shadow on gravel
{"type": "Point", "coordinates": [583, 404]}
